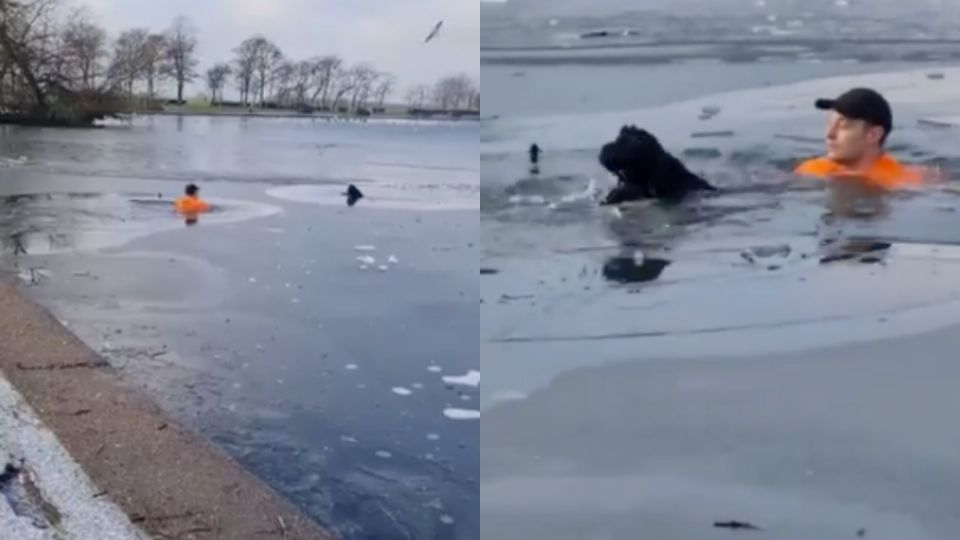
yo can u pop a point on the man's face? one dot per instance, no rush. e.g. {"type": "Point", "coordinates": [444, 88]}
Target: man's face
{"type": "Point", "coordinates": [849, 140]}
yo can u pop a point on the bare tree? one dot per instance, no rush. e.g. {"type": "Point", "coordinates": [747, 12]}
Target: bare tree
{"type": "Point", "coordinates": [471, 95]}
{"type": "Point", "coordinates": [268, 58]}
{"type": "Point", "coordinates": [327, 72]}
{"type": "Point", "coordinates": [362, 77]}
{"type": "Point", "coordinates": [84, 48]}
{"type": "Point", "coordinates": [181, 53]}
{"type": "Point", "coordinates": [384, 88]}
{"type": "Point", "coordinates": [153, 59]}
{"type": "Point", "coordinates": [475, 100]}
{"type": "Point", "coordinates": [343, 82]}
{"type": "Point", "coordinates": [256, 62]}
{"type": "Point", "coordinates": [216, 81]}
{"type": "Point", "coordinates": [49, 69]}
{"type": "Point", "coordinates": [417, 96]}
{"type": "Point", "coordinates": [301, 83]}
{"type": "Point", "coordinates": [28, 39]}
{"type": "Point", "coordinates": [453, 92]}
{"type": "Point", "coordinates": [126, 67]}
{"type": "Point", "coordinates": [283, 75]}
{"type": "Point", "coordinates": [245, 59]}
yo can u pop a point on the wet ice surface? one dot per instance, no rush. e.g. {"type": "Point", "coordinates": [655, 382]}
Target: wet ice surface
{"type": "Point", "coordinates": [472, 378]}
{"type": "Point", "coordinates": [779, 354]}
{"type": "Point", "coordinates": [461, 414]}
{"type": "Point", "coordinates": [385, 196]}
{"type": "Point", "coordinates": [274, 344]}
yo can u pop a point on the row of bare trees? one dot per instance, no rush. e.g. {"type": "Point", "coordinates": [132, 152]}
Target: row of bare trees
{"type": "Point", "coordinates": [456, 92]}
{"type": "Point", "coordinates": [53, 65]}
{"type": "Point", "coordinates": [139, 57]}
{"type": "Point", "coordinates": [262, 74]}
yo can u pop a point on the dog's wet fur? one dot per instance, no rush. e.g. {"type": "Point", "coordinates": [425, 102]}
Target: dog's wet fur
{"type": "Point", "coordinates": [645, 170]}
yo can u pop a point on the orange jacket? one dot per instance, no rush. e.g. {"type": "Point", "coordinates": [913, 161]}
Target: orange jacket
{"type": "Point", "coordinates": [191, 205]}
{"type": "Point", "coordinates": [886, 172]}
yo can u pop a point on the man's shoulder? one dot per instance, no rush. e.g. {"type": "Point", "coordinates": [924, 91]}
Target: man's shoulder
{"type": "Point", "coordinates": [816, 166]}
{"type": "Point", "coordinates": [904, 173]}
{"type": "Point", "coordinates": [886, 160]}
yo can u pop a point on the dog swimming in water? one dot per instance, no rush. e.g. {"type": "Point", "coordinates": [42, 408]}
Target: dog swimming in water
{"type": "Point", "coordinates": [645, 170]}
{"type": "Point", "coordinates": [353, 195]}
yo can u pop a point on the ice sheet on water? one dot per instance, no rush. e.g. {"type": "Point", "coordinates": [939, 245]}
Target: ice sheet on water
{"type": "Point", "coordinates": [71, 222]}
{"type": "Point", "coordinates": [461, 414]}
{"type": "Point", "coordinates": [528, 200]}
{"type": "Point", "coordinates": [507, 395]}
{"type": "Point", "coordinates": [13, 162]}
{"type": "Point", "coordinates": [401, 391]}
{"type": "Point", "coordinates": [428, 198]}
{"type": "Point", "coordinates": [472, 378]}
{"type": "Point", "coordinates": [34, 276]}
{"type": "Point", "coordinates": [750, 113]}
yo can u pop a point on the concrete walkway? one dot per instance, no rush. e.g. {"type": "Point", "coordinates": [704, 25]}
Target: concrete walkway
{"type": "Point", "coordinates": [44, 493]}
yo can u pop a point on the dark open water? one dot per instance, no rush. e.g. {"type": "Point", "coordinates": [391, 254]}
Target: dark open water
{"type": "Point", "coordinates": [781, 353]}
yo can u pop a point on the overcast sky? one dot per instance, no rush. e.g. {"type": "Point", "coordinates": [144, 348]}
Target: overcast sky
{"type": "Point", "coordinates": [387, 33]}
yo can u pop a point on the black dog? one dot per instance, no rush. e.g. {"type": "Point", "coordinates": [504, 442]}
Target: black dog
{"type": "Point", "coordinates": [353, 195]}
{"type": "Point", "coordinates": [645, 170]}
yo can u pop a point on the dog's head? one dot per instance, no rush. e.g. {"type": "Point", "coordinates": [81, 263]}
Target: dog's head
{"type": "Point", "coordinates": [633, 156]}
{"type": "Point", "coordinates": [645, 170]}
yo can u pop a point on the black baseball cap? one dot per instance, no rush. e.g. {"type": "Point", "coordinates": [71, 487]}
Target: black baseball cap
{"type": "Point", "coordinates": [861, 104]}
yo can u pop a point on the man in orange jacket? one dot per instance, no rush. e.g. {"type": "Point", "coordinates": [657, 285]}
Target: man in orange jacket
{"type": "Point", "coordinates": [859, 124]}
{"type": "Point", "coordinates": [191, 203]}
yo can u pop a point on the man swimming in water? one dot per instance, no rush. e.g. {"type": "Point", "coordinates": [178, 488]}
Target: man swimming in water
{"type": "Point", "coordinates": [191, 203]}
{"type": "Point", "coordinates": [860, 122]}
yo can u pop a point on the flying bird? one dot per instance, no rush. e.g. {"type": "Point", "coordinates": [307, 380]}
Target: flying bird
{"type": "Point", "coordinates": [434, 32]}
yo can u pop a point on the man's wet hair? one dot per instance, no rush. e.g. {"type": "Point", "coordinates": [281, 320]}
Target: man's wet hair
{"type": "Point", "coordinates": [191, 189]}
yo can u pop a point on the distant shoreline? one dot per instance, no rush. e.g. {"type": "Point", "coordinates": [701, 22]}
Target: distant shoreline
{"type": "Point", "coordinates": [266, 113]}
{"type": "Point", "coordinates": [774, 42]}
{"type": "Point", "coordinates": [240, 113]}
